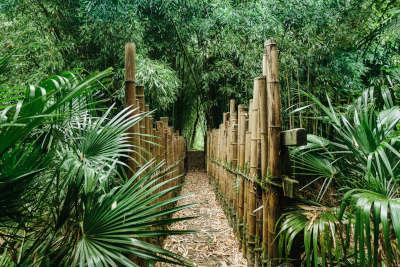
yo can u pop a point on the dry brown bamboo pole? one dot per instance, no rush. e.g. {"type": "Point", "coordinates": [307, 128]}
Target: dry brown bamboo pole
{"type": "Point", "coordinates": [130, 98]}
{"type": "Point", "coordinates": [274, 129]}
{"type": "Point", "coordinates": [142, 123]}
{"type": "Point", "coordinates": [216, 153]}
{"type": "Point", "coordinates": [253, 174]}
{"type": "Point", "coordinates": [175, 154]}
{"type": "Point", "coordinates": [264, 163]}
{"type": "Point", "coordinates": [229, 158]}
{"type": "Point", "coordinates": [165, 126]}
{"type": "Point", "coordinates": [219, 167]}
{"type": "Point", "coordinates": [234, 156]}
{"type": "Point", "coordinates": [169, 158]}
{"type": "Point", "coordinates": [163, 150]}
{"type": "Point", "coordinates": [159, 147]}
{"type": "Point", "coordinates": [153, 138]}
{"type": "Point", "coordinates": [159, 140]}
{"type": "Point", "coordinates": [182, 151]}
{"type": "Point", "coordinates": [225, 157]}
{"type": "Point", "coordinates": [213, 146]}
{"type": "Point", "coordinates": [247, 182]}
{"type": "Point", "coordinates": [209, 153]}
{"type": "Point", "coordinates": [147, 138]}
{"type": "Point", "coordinates": [173, 158]}
{"type": "Point", "coordinates": [259, 83]}
{"type": "Point", "coordinates": [241, 149]}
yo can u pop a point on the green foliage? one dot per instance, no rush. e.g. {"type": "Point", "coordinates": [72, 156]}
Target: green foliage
{"type": "Point", "coordinates": [213, 47]}
{"type": "Point", "coordinates": [361, 162]}
{"type": "Point", "coordinates": [65, 199]}
{"type": "Point", "coordinates": [160, 81]}
{"type": "Point", "coordinates": [318, 226]}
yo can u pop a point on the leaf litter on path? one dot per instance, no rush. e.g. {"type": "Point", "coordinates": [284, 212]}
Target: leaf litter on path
{"type": "Point", "coordinates": [214, 243]}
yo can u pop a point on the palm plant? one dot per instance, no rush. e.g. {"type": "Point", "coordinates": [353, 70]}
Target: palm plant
{"type": "Point", "coordinates": [65, 198]}
{"type": "Point", "coordinates": [361, 161]}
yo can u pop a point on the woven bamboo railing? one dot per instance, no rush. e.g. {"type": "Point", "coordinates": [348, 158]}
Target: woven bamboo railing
{"type": "Point", "coordinates": [244, 161]}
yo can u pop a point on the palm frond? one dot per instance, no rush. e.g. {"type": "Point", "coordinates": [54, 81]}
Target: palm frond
{"type": "Point", "coordinates": [318, 226]}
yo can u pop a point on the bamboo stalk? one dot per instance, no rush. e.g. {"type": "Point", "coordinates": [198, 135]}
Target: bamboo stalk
{"type": "Point", "coordinates": [253, 173]}
{"type": "Point", "coordinates": [247, 183]}
{"type": "Point", "coordinates": [220, 153]}
{"type": "Point", "coordinates": [147, 138]}
{"type": "Point", "coordinates": [130, 98]}
{"type": "Point", "coordinates": [234, 158]}
{"type": "Point", "coordinates": [274, 129]}
{"type": "Point", "coordinates": [264, 159]}
{"type": "Point", "coordinates": [142, 123]}
{"type": "Point", "coordinates": [259, 86]}
{"type": "Point", "coordinates": [241, 152]}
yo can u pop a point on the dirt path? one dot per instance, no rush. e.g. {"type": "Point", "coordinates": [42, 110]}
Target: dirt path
{"type": "Point", "coordinates": [214, 244]}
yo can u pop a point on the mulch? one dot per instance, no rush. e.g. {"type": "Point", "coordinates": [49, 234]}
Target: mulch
{"type": "Point", "coordinates": [214, 243]}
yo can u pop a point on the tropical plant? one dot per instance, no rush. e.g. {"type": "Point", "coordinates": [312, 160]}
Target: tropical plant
{"type": "Point", "coordinates": [65, 198]}
{"type": "Point", "coordinates": [360, 164]}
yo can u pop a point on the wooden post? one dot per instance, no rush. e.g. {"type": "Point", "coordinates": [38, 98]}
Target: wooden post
{"type": "Point", "coordinates": [225, 156]}
{"type": "Point", "coordinates": [220, 147]}
{"type": "Point", "coordinates": [247, 182]}
{"type": "Point", "coordinates": [142, 123]}
{"type": "Point", "coordinates": [159, 133]}
{"type": "Point", "coordinates": [130, 99]}
{"type": "Point", "coordinates": [259, 84]}
{"type": "Point", "coordinates": [234, 158]}
{"type": "Point", "coordinates": [147, 131]}
{"type": "Point", "coordinates": [253, 174]}
{"type": "Point", "coordinates": [264, 162]}
{"type": "Point", "coordinates": [241, 150]}
{"type": "Point", "coordinates": [274, 129]}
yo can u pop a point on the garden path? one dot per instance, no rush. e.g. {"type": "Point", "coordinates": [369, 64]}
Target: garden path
{"type": "Point", "coordinates": [214, 243]}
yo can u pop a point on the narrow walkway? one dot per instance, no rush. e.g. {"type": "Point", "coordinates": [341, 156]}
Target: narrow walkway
{"type": "Point", "coordinates": [214, 244]}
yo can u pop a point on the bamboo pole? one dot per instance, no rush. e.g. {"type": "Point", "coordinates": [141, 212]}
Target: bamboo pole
{"type": "Point", "coordinates": [253, 174]}
{"type": "Point", "coordinates": [247, 182]}
{"type": "Point", "coordinates": [159, 147]}
{"type": "Point", "coordinates": [130, 98]}
{"type": "Point", "coordinates": [220, 152]}
{"type": "Point", "coordinates": [274, 129]}
{"type": "Point", "coordinates": [241, 152]}
{"type": "Point", "coordinates": [264, 163]}
{"type": "Point", "coordinates": [148, 128]}
{"type": "Point", "coordinates": [142, 123]}
{"type": "Point", "coordinates": [234, 156]}
{"type": "Point", "coordinates": [225, 155]}
{"type": "Point", "coordinates": [259, 85]}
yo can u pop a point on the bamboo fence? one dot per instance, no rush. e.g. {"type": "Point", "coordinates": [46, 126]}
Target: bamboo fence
{"type": "Point", "coordinates": [244, 161]}
{"type": "Point", "coordinates": [151, 140]}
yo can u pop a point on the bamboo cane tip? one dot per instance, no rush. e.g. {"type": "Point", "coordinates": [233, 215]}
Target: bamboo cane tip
{"type": "Point", "coordinates": [130, 46]}
{"type": "Point", "coordinates": [270, 42]}
{"type": "Point", "coordinates": [232, 104]}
